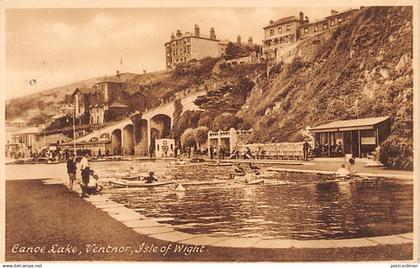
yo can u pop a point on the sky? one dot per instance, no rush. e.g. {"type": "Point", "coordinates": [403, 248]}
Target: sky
{"type": "Point", "coordinates": [61, 46]}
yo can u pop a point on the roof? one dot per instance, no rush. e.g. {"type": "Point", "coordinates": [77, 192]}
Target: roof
{"type": "Point", "coordinates": [18, 121]}
{"type": "Point", "coordinates": [282, 21]}
{"type": "Point", "coordinates": [354, 124]}
{"type": "Point", "coordinates": [342, 12]}
{"type": "Point", "coordinates": [30, 130]}
{"type": "Point", "coordinates": [58, 116]}
{"type": "Point", "coordinates": [83, 90]}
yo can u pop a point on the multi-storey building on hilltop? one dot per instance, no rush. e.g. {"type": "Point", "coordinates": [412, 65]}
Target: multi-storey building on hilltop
{"type": "Point", "coordinates": [106, 97]}
{"type": "Point", "coordinates": [184, 47]}
{"type": "Point", "coordinates": [283, 35]}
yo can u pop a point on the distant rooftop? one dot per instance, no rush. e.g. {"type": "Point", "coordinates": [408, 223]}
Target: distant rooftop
{"type": "Point", "coordinates": [29, 130]}
{"type": "Point", "coordinates": [282, 21]}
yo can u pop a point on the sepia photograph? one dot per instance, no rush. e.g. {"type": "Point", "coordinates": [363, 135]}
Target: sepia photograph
{"type": "Point", "coordinates": [210, 132]}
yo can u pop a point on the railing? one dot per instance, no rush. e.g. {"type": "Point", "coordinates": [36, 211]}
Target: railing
{"type": "Point", "coordinates": [285, 150]}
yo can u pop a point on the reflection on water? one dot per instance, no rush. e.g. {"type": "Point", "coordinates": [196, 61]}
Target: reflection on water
{"type": "Point", "coordinates": [289, 206]}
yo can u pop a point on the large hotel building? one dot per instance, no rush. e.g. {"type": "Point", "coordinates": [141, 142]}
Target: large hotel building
{"type": "Point", "coordinates": [281, 35]}
{"type": "Point", "coordinates": [184, 47]}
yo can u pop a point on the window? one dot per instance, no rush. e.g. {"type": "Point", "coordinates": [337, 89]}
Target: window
{"type": "Point", "coordinates": [271, 32]}
{"type": "Point", "coordinates": [287, 27]}
{"type": "Point", "coordinates": [349, 17]}
{"type": "Point", "coordinates": [316, 28]}
{"type": "Point", "coordinates": [332, 22]}
{"type": "Point", "coordinates": [325, 26]}
{"type": "Point", "coordinates": [276, 41]}
{"type": "Point", "coordinates": [339, 19]}
{"type": "Point", "coordinates": [305, 30]}
{"type": "Point", "coordinates": [279, 30]}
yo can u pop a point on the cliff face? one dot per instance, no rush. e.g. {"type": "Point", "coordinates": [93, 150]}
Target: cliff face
{"type": "Point", "coordinates": [363, 70]}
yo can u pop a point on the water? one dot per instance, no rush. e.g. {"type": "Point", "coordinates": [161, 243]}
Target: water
{"type": "Point", "coordinates": [288, 206]}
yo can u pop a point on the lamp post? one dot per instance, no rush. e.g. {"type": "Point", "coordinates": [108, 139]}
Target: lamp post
{"type": "Point", "coordinates": [74, 131]}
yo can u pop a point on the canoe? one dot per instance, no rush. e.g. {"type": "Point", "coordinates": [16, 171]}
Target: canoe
{"type": "Point", "coordinates": [177, 163]}
{"type": "Point", "coordinates": [126, 183]}
{"type": "Point", "coordinates": [259, 181]}
{"type": "Point", "coordinates": [131, 177]}
{"type": "Point", "coordinates": [219, 165]}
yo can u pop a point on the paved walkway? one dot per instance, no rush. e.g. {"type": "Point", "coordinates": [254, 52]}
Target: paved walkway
{"type": "Point", "coordinates": [53, 215]}
{"type": "Point", "coordinates": [329, 165]}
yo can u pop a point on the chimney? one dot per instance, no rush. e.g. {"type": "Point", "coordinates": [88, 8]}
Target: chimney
{"type": "Point", "coordinates": [333, 12]}
{"type": "Point", "coordinates": [301, 17]}
{"type": "Point", "coordinates": [212, 33]}
{"type": "Point", "coordinates": [271, 21]}
{"type": "Point", "coordinates": [250, 41]}
{"type": "Point", "coordinates": [178, 33]}
{"type": "Point", "coordinates": [196, 30]}
{"type": "Point", "coordinates": [172, 36]}
{"type": "Point", "coordinates": [238, 40]}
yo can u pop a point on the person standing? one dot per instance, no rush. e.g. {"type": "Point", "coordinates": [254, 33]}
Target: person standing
{"type": "Point", "coordinates": [306, 147]}
{"type": "Point", "coordinates": [85, 172]}
{"type": "Point", "coordinates": [351, 163]}
{"type": "Point", "coordinates": [211, 152]}
{"type": "Point", "coordinates": [71, 171]}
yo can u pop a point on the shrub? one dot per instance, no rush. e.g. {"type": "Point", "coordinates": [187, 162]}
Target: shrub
{"type": "Point", "coordinates": [188, 138]}
{"type": "Point", "coordinates": [397, 152]}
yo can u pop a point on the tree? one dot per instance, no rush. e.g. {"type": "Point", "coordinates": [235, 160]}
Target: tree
{"type": "Point", "coordinates": [200, 135]}
{"type": "Point", "coordinates": [188, 138]}
{"type": "Point", "coordinates": [225, 121]}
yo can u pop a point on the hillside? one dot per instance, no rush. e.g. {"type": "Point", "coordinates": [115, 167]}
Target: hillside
{"type": "Point", "coordinates": [363, 70]}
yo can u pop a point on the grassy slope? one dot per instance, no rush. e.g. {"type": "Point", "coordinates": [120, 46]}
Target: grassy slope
{"type": "Point", "coordinates": [353, 75]}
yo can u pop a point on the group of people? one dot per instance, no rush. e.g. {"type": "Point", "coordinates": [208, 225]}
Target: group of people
{"type": "Point", "coordinates": [238, 170]}
{"type": "Point", "coordinates": [89, 182]}
{"type": "Point", "coordinates": [347, 167]}
{"type": "Point", "coordinates": [221, 153]}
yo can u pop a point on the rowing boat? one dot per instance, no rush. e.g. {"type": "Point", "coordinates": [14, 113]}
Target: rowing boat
{"type": "Point", "coordinates": [219, 164]}
{"type": "Point", "coordinates": [253, 182]}
{"type": "Point", "coordinates": [127, 183]}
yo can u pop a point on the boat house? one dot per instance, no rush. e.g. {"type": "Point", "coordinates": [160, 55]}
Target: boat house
{"type": "Point", "coordinates": [359, 137]}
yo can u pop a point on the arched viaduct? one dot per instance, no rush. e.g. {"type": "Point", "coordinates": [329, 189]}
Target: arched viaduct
{"type": "Point", "coordinates": [136, 134]}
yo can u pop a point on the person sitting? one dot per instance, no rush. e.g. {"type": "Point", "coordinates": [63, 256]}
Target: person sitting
{"type": "Point", "coordinates": [234, 154]}
{"type": "Point", "coordinates": [150, 178]}
{"type": "Point", "coordinates": [248, 154]}
{"type": "Point", "coordinates": [343, 171]}
{"type": "Point", "coordinates": [339, 148]}
{"type": "Point", "coordinates": [93, 186]}
{"type": "Point", "coordinates": [253, 166]}
{"type": "Point", "coordinates": [238, 170]}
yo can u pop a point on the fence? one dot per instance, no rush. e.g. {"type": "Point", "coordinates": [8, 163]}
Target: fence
{"type": "Point", "coordinates": [284, 150]}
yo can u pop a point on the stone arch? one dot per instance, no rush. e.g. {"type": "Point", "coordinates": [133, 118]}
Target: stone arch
{"type": "Point", "coordinates": [128, 140]}
{"type": "Point", "coordinates": [161, 125]}
{"type": "Point", "coordinates": [116, 142]}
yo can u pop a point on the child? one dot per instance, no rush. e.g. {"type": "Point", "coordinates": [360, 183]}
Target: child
{"type": "Point", "coordinates": [150, 178]}
{"type": "Point", "coordinates": [93, 186]}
